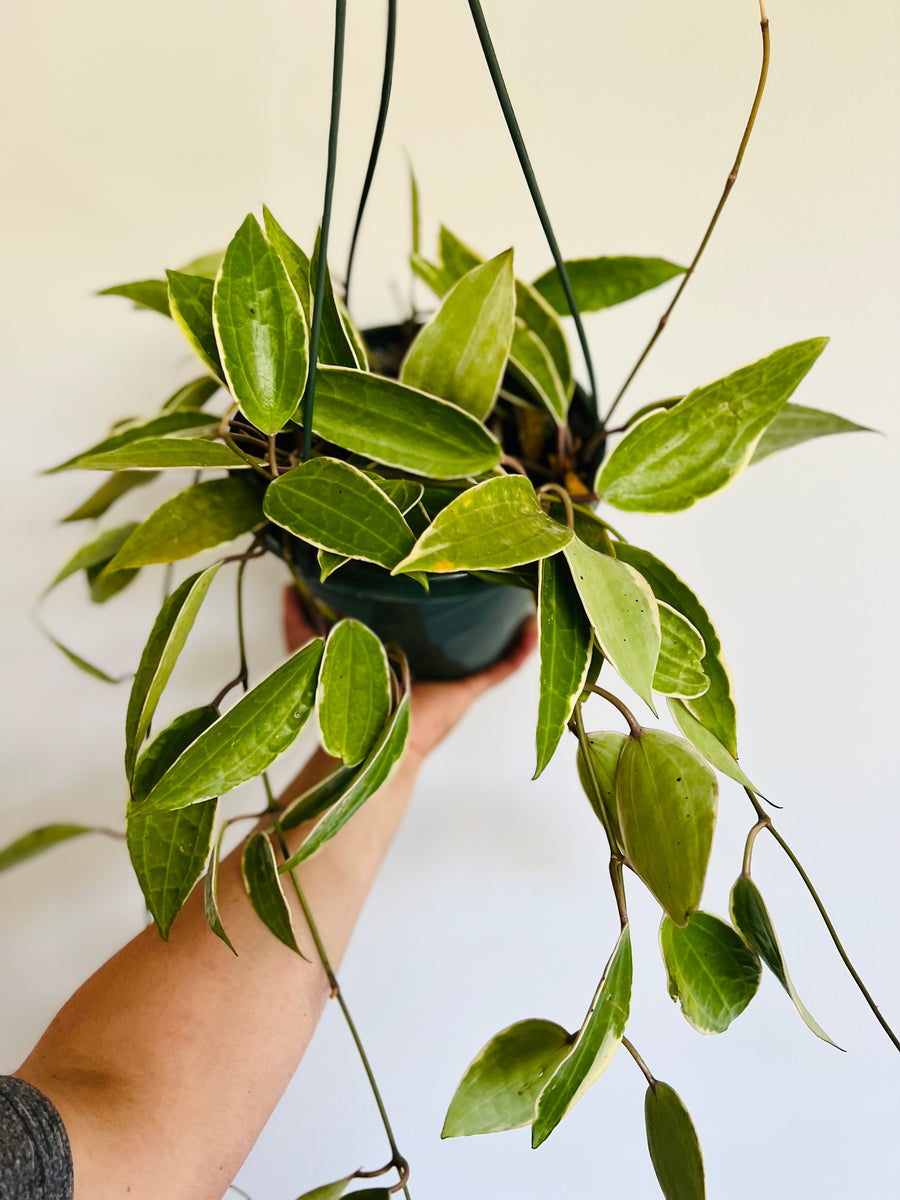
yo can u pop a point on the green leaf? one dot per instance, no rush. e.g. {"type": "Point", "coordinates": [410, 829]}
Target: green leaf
{"type": "Point", "coordinates": [540, 318]}
{"type": "Point", "coordinates": [461, 353]}
{"type": "Point", "coordinates": [169, 850]}
{"type": "Point", "coordinates": [335, 345]}
{"type": "Point", "coordinates": [328, 1191]}
{"type": "Point", "coordinates": [99, 550]}
{"type": "Point", "coordinates": [396, 425]}
{"type": "Point", "coordinates": [81, 663]}
{"type": "Point", "coordinates": [598, 777]}
{"type": "Point", "coordinates": [354, 697]}
{"type": "Point", "coordinates": [338, 508]}
{"type": "Point", "coordinates": [414, 212]}
{"type": "Point", "coordinates": [192, 396]}
{"type": "Point", "coordinates": [623, 614]}
{"type": "Point", "coordinates": [602, 282]}
{"type": "Point", "coordinates": [666, 797]}
{"type": "Point", "coordinates": [715, 708]}
{"type": "Point", "coordinates": [531, 363]}
{"type": "Point", "coordinates": [709, 745]}
{"type": "Point", "coordinates": [210, 894]}
{"type": "Point", "coordinates": [170, 630]}
{"type": "Point", "coordinates": [712, 971]}
{"type": "Point", "coordinates": [202, 516]}
{"type": "Point", "coordinates": [295, 260]}
{"type": "Point", "coordinates": [679, 670]}
{"type": "Point", "coordinates": [105, 583]}
{"type": "Point", "coordinates": [191, 302]}
{"type": "Point", "coordinates": [671, 459]}
{"type": "Point", "coordinates": [597, 1041]}
{"type": "Point", "coordinates": [206, 265]}
{"type": "Point", "coordinates": [439, 279]}
{"type": "Point", "coordinates": [29, 845]}
{"type": "Point", "coordinates": [162, 453]}
{"type": "Point", "coordinates": [502, 1083]}
{"type": "Point", "coordinates": [565, 647]}
{"type": "Point", "coordinates": [264, 889]}
{"type": "Point", "coordinates": [354, 337]}
{"type": "Point", "coordinates": [673, 1144]}
{"type": "Point", "coordinates": [260, 330]}
{"type": "Point", "coordinates": [321, 796]}
{"type": "Point", "coordinates": [173, 423]}
{"type": "Point", "coordinates": [405, 493]}
{"type": "Point", "coordinates": [751, 917]}
{"type": "Point", "coordinates": [247, 739]}
{"type": "Point", "coordinates": [118, 484]}
{"type": "Point", "coordinates": [496, 524]}
{"type": "Point", "coordinates": [146, 293]}
{"type": "Point", "coordinates": [796, 423]}
{"type": "Point", "coordinates": [376, 769]}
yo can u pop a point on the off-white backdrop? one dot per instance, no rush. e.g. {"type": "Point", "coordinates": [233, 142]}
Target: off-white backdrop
{"type": "Point", "coordinates": [136, 136]}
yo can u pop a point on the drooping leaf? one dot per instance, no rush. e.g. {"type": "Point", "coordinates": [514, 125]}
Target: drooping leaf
{"type": "Point", "coordinates": [531, 363]}
{"type": "Point", "coordinates": [751, 917]}
{"type": "Point", "coordinates": [170, 424]}
{"type": "Point", "coordinates": [666, 798]}
{"type": "Point", "coordinates": [328, 1191]}
{"type": "Point", "coordinates": [715, 708]}
{"type": "Point", "coordinates": [712, 971]}
{"type": "Point", "coordinates": [210, 894]}
{"type": "Point", "coordinates": [169, 850]}
{"type": "Point", "coordinates": [264, 889]}
{"type": "Point", "coordinates": [376, 769]}
{"type": "Point", "coordinates": [338, 508]}
{"type": "Point", "coordinates": [295, 260]}
{"type": "Point", "coordinates": [81, 663]}
{"type": "Point", "coordinates": [602, 282]}
{"type": "Point", "coordinates": [676, 457]}
{"type": "Point", "coordinates": [104, 583]}
{"type": "Point", "coordinates": [354, 696]}
{"type": "Point", "coordinates": [100, 501]}
{"type": "Point", "coordinates": [202, 516]}
{"type": "Point", "coordinates": [673, 1144]}
{"type": "Point", "coordinates": [679, 670]}
{"type": "Point", "coordinates": [623, 613]}
{"type": "Point", "coordinates": [247, 739]}
{"type": "Point", "coordinates": [191, 303]}
{"type": "Point", "coordinates": [167, 637]}
{"type": "Point", "coordinates": [597, 772]}
{"type": "Point", "coordinates": [461, 353]}
{"type": "Point", "coordinates": [321, 796]}
{"type": "Point", "coordinates": [161, 453]}
{"type": "Point", "coordinates": [709, 745]}
{"type": "Point", "coordinates": [565, 648]}
{"type": "Point", "coordinates": [192, 396]}
{"type": "Point", "coordinates": [99, 550]}
{"type": "Point", "coordinates": [796, 424]}
{"type": "Point", "coordinates": [502, 1083]}
{"type": "Point", "coordinates": [496, 524]}
{"type": "Point", "coordinates": [399, 426]}
{"type": "Point", "coordinates": [145, 293]}
{"type": "Point", "coordinates": [597, 1041]}
{"type": "Point", "coordinates": [335, 345]}
{"type": "Point", "coordinates": [260, 329]}
{"type": "Point", "coordinates": [29, 845]}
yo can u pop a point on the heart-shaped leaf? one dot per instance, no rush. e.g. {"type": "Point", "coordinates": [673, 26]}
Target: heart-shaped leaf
{"type": "Point", "coordinates": [354, 696]}
{"type": "Point", "coordinates": [667, 797]}
{"type": "Point", "coordinates": [264, 889]}
{"type": "Point", "coordinates": [191, 304]}
{"type": "Point", "coordinates": [565, 646]}
{"type": "Point", "coordinates": [29, 845]}
{"type": "Point", "coordinates": [602, 282]}
{"type": "Point", "coordinates": [679, 669]}
{"type": "Point", "coordinates": [597, 772]}
{"type": "Point", "coordinates": [712, 971]}
{"type": "Point", "coordinates": [673, 1144]}
{"type": "Point", "coordinates": [796, 424]}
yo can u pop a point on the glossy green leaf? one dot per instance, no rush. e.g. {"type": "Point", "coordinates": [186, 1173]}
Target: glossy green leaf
{"type": "Point", "coordinates": [210, 894]}
{"type": "Point", "coordinates": [531, 363]}
{"type": "Point", "coordinates": [439, 279]}
{"type": "Point", "coordinates": [29, 845]}
{"type": "Point", "coordinates": [496, 524]}
{"type": "Point", "coordinates": [405, 493]}
{"type": "Point", "coordinates": [502, 1083]}
{"type": "Point", "coordinates": [321, 796]}
{"type": "Point", "coordinates": [162, 453]}
{"type": "Point", "coordinates": [335, 344]}
{"type": "Point", "coordinates": [145, 293]}
{"type": "Point", "coordinates": [709, 745]}
{"type": "Point", "coordinates": [751, 917]}
{"type": "Point", "coordinates": [715, 708]}
{"type": "Point", "coordinates": [667, 797]}
{"type": "Point", "coordinates": [623, 613]}
{"type": "Point", "coordinates": [399, 426]}
{"type": "Point", "coordinates": [338, 508]}
{"type": "Point", "coordinates": [198, 518]}
{"type": "Point", "coordinates": [679, 669]}
{"type": "Point", "coordinates": [169, 850]}
{"type": "Point", "coordinates": [712, 972]}
{"type": "Point", "coordinates": [206, 265]}
{"type": "Point", "coordinates": [673, 458]}
{"type": "Point", "coordinates": [191, 302]}
{"type": "Point", "coordinates": [100, 501]}
{"type": "Point", "coordinates": [376, 769]}
{"type": "Point", "coordinates": [247, 739]}
{"type": "Point", "coordinates": [539, 317]}
{"type": "Point", "coordinates": [104, 582]}
{"type": "Point", "coordinates": [461, 353]}
{"type": "Point", "coordinates": [171, 424]}
{"type": "Point", "coordinates": [602, 282]}
{"type": "Point", "coordinates": [354, 337]}
{"type": "Point", "coordinates": [597, 1041]}
{"type": "Point", "coordinates": [796, 424]}
{"type": "Point", "coordinates": [170, 630]}
{"type": "Point", "coordinates": [263, 886]}
{"type": "Point", "coordinates": [354, 696]}
{"type": "Point", "coordinates": [597, 774]}
{"type": "Point", "coordinates": [295, 260]}
{"type": "Point", "coordinates": [99, 550]}
{"type": "Point", "coordinates": [260, 330]}
{"type": "Point", "coordinates": [192, 396]}
{"type": "Point", "coordinates": [565, 649]}
{"type": "Point", "coordinates": [673, 1144]}
{"type": "Point", "coordinates": [328, 1191]}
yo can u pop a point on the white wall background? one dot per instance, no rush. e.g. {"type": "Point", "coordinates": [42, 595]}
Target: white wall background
{"type": "Point", "coordinates": [136, 136]}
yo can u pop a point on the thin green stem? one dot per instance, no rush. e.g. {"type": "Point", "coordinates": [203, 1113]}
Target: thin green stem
{"type": "Point", "coordinates": [592, 774]}
{"type": "Point", "coordinates": [729, 184]}
{"type": "Point", "coordinates": [512, 124]}
{"type": "Point", "coordinates": [647, 1073]}
{"type": "Point", "coordinates": [248, 459]}
{"type": "Point", "coordinates": [241, 676]}
{"type": "Point", "coordinates": [340, 25]}
{"type": "Point", "coordinates": [563, 495]}
{"type": "Point", "coordinates": [762, 823]}
{"type": "Point", "coordinates": [386, 82]}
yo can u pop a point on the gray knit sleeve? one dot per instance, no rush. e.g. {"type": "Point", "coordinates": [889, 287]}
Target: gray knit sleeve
{"type": "Point", "coordinates": [35, 1159]}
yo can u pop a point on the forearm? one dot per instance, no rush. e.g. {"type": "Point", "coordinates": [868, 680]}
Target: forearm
{"type": "Point", "coordinates": [166, 1064]}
